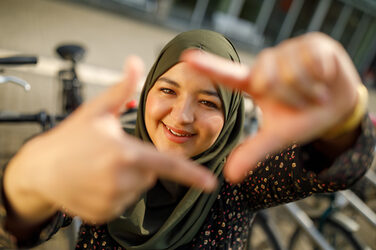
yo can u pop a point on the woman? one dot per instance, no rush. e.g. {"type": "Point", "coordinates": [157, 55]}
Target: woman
{"type": "Point", "coordinates": [184, 113]}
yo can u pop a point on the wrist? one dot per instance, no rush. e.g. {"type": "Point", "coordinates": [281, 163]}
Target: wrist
{"type": "Point", "coordinates": [352, 121]}
{"type": "Point", "coordinates": [24, 202]}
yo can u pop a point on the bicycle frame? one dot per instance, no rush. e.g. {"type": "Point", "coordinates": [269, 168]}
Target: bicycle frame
{"type": "Point", "coordinates": [72, 96]}
{"type": "Point", "coordinates": [307, 225]}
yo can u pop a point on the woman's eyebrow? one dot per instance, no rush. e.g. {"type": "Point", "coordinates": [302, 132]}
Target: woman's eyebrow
{"type": "Point", "coordinates": [209, 92]}
{"type": "Point", "coordinates": [169, 81]}
{"type": "Point", "coordinates": [202, 91]}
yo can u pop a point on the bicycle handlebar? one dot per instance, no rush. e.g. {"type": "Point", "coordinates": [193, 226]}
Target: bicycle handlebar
{"type": "Point", "coordinates": [18, 60]}
{"type": "Point", "coordinates": [42, 118]}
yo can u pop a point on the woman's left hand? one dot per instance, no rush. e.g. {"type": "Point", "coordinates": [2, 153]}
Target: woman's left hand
{"type": "Point", "coordinates": [304, 86]}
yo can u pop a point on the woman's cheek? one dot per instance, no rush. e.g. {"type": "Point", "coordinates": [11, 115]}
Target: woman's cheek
{"type": "Point", "coordinates": [155, 106]}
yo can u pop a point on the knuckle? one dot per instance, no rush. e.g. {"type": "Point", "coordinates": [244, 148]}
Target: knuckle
{"type": "Point", "coordinates": [337, 46]}
{"type": "Point", "coordinates": [317, 36]}
{"type": "Point", "coordinates": [264, 74]}
{"type": "Point", "coordinates": [319, 40]}
{"type": "Point", "coordinates": [285, 44]}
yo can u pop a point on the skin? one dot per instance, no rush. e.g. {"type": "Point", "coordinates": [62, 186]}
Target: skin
{"type": "Point", "coordinates": [185, 103]}
{"type": "Point", "coordinates": [304, 86]}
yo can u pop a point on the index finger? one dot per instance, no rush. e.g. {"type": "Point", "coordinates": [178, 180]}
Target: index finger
{"type": "Point", "coordinates": [231, 74]}
{"type": "Point", "coordinates": [172, 167]}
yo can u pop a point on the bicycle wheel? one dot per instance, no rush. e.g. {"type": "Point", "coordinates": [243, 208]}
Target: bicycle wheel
{"type": "Point", "coordinates": [337, 236]}
{"type": "Point", "coordinates": [262, 236]}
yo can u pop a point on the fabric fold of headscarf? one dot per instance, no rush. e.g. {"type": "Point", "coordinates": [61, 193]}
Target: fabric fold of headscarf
{"type": "Point", "coordinates": [174, 218]}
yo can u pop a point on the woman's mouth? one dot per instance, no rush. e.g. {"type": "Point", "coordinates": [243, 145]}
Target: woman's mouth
{"type": "Point", "coordinates": [177, 135]}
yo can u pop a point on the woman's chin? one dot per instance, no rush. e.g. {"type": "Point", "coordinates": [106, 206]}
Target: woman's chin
{"type": "Point", "coordinates": [176, 151]}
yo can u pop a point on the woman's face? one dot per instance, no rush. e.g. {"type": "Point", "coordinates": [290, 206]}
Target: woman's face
{"type": "Point", "coordinates": [183, 114]}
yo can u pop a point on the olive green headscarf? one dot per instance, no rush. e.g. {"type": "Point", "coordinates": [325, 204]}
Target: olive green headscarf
{"type": "Point", "coordinates": [169, 215]}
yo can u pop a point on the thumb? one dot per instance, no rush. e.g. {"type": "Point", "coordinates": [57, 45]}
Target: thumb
{"type": "Point", "coordinates": [245, 157]}
{"type": "Point", "coordinates": [114, 98]}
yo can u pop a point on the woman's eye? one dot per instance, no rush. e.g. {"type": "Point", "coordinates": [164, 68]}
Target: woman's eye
{"type": "Point", "coordinates": [209, 104]}
{"type": "Point", "coordinates": [167, 91]}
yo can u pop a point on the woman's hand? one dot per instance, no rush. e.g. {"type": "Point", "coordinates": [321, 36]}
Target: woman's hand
{"type": "Point", "coordinates": [304, 87]}
{"type": "Point", "coordinates": [89, 167]}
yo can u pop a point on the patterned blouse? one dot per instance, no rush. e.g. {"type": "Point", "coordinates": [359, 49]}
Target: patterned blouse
{"type": "Point", "coordinates": [292, 174]}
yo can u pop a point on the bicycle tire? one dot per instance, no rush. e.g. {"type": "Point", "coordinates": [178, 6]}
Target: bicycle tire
{"type": "Point", "coordinates": [270, 242]}
{"type": "Point", "coordinates": [332, 231]}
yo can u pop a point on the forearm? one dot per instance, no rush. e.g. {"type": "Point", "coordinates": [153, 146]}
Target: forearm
{"type": "Point", "coordinates": [345, 164]}
{"type": "Point", "coordinates": [298, 172]}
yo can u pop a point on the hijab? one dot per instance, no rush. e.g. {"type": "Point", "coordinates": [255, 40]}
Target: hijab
{"type": "Point", "coordinates": [169, 216]}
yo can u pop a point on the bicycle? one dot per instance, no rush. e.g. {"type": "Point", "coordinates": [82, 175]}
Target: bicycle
{"type": "Point", "coordinates": [17, 60]}
{"type": "Point", "coordinates": [330, 230]}
{"type": "Point", "coordinates": [266, 231]}
{"type": "Point", "coordinates": [71, 95]}
{"type": "Point", "coordinates": [332, 224]}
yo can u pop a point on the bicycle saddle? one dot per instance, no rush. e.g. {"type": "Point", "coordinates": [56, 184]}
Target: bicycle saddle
{"type": "Point", "coordinates": [71, 52]}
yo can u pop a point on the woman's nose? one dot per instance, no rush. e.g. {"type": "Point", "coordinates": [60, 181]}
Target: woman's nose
{"type": "Point", "coordinates": [183, 112]}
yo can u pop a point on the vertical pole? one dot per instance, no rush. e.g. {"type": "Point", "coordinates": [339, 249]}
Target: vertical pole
{"type": "Point", "coordinates": [367, 60]}
{"type": "Point", "coordinates": [235, 7]}
{"type": "Point", "coordinates": [199, 13]}
{"type": "Point", "coordinates": [264, 15]}
{"type": "Point", "coordinates": [290, 20]}
{"type": "Point", "coordinates": [357, 37]}
{"type": "Point", "coordinates": [319, 15]}
{"type": "Point", "coordinates": [340, 25]}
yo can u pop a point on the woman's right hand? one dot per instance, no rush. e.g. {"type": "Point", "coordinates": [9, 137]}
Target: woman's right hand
{"type": "Point", "coordinates": [88, 166]}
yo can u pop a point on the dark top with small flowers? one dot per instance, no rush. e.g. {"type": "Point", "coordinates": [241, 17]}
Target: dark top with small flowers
{"type": "Point", "coordinates": [289, 175]}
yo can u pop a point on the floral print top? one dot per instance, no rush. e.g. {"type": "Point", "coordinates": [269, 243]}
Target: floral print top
{"type": "Point", "coordinates": [289, 175]}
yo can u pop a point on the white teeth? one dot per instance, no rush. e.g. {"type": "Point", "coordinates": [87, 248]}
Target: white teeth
{"type": "Point", "coordinates": [177, 134]}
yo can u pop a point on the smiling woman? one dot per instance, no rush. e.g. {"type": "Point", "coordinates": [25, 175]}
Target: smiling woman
{"type": "Point", "coordinates": [181, 112]}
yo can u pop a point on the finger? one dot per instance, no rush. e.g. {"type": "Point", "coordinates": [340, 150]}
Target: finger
{"type": "Point", "coordinates": [241, 161]}
{"type": "Point", "coordinates": [295, 77]}
{"type": "Point", "coordinates": [134, 186]}
{"type": "Point", "coordinates": [221, 70]}
{"type": "Point", "coordinates": [319, 61]}
{"type": "Point", "coordinates": [136, 179]}
{"type": "Point", "coordinates": [169, 166]}
{"type": "Point", "coordinates": [264, 73]}
{"type": "Point", "coordinates": [114, 98]}
{"type": "Point", "coordinates": [181, 171]}
{"type": "Point", "coordinates": [269, 77]}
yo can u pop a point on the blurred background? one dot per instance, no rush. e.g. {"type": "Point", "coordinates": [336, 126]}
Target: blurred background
{"type": "Point", "coordinates": [111, 30]}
